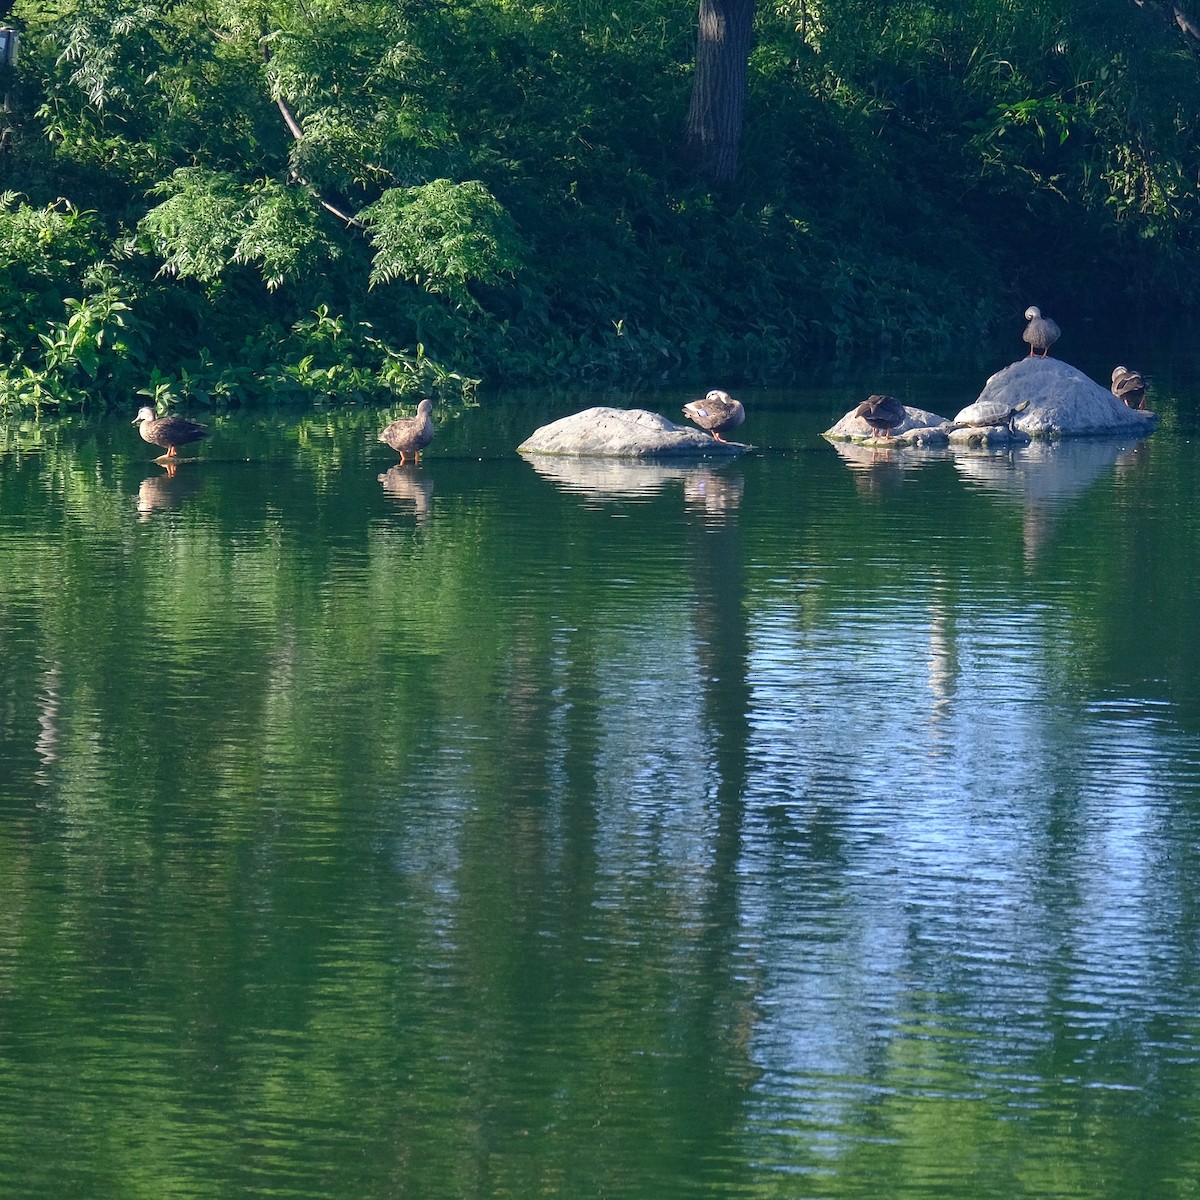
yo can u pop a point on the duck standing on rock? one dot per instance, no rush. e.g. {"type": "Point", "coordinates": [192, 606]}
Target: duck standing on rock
{"type": "Point", "coordinates": [410, 435]}
{"type": "Point", "coordinates": [717, 413]}
{"type": "Point", "coordinates": [168, 432]}
{"type": "Point", "coordinates": [882, 413]}
{"type": "Point", "coordinates": [1129, 386]}
{"type": "Point", "coordinates": [1041, 333]}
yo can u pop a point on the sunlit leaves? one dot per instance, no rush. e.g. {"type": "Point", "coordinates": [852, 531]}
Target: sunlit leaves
{"type": "Point", "coordinates": [100, 43]}
{"type": "Point", "coordinates": [443, 236]}
{"type": "Point", "coordinates": [211, 221]}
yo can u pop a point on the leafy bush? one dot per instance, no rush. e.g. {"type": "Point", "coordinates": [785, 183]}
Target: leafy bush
{"type": "Point", "coordinates": [391, 195]}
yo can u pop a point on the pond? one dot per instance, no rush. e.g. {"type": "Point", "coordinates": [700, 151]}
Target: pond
{"type": "Point", "coordinates": [820, 824]}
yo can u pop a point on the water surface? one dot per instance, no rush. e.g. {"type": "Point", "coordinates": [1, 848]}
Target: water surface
{"type": "Point", "coordinates": [822, 824]}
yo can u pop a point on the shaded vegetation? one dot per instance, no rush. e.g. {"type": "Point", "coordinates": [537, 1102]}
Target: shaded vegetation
{"type": "Point", "coordinates": [218, 200]}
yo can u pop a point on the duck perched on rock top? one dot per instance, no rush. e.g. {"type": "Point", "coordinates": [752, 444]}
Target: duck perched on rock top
{"type": "Point", "coordinates": [410, 435]}
{"type": "Point", "coordinates": [1129, 386]}
{"type": "Point", "coordinates": [169, 432]}
{"type": "Point", "coordinates": [717, 413]}
{"type": "Point", "coordinates": [882, 413]}
{"type": "Point", "coordinates": [1041, 333]}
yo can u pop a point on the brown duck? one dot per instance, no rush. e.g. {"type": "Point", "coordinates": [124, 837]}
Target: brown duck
{"type": "Point", "coordinates": [168, 432]}
{"type": "Point", "coordinates": [1129, 386]}
{"type": "Point", "coordinates": [717, 413]}
{"type": "Point", "coordinates": [882, 413]}
{"type": "Point", "coordinates": [410, 435]}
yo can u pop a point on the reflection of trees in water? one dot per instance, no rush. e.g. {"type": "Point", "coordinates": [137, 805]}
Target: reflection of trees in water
{"type": "Point", "coordinates": [48, 706]}
{"type": "Point", "coordinates": [624, 722]}
{"type": "Point", "coordinates": [470, 844]}
{"type": "Point", "coordinates": [941, 662]}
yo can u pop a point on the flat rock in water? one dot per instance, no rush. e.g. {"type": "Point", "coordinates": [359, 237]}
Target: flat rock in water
{"type": "Point", "coordinates": [1063, 402]}
{"type": "Point", "coordinates": [625, 433]}
{"type": "Point", "coordinates": [919, 428]}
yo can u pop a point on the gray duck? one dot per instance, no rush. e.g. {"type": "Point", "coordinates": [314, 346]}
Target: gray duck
{"type": "Point", "coordinates": [882, 413]}
{"type": "Point", "coordinates": [1041, 333]}
{"type": "Point", "coordinates": [169, 432]}
{"type": "Point", "coordinates": [717, 413]}
{"type": "Point", "coordinates": [1129, 386]}
{"type": "Point", "coordinates": [410, 435]}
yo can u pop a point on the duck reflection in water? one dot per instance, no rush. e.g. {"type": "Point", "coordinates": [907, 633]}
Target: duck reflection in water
{"type": "Point", "coordinates": [408, 488]}
{"type": "Point", "coordinates": [158, 493]}
{"type": "Point", "coordinates": [712, 493]}
{"type": "Point", "coordinates": [875, 469]}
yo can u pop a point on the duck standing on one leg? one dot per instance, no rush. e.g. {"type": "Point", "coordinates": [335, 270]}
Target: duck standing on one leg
{"type": "Point", "coordinates": [882, 413]}
{"type": "Point", "coordinates": [410, 435]}
{"type": "Point", "coordinates": [168, 432]}
{"type": "Point", "coordinates": [1129, 386]}
{"type": "Point", "coordinates": [717, 413]}
{"type": "Point", "coordinates": [1041, 333]}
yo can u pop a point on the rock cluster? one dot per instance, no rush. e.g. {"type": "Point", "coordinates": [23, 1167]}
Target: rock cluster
{"type": "Point", "coordinates": [1062, 403]}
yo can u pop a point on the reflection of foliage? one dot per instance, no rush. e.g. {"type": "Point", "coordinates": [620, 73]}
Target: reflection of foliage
{"type": "Point", "coordinates": [322, 870]}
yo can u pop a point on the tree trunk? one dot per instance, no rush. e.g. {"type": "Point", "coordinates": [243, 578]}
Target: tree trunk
{"type": "Point", "coordinates": [713, 131]}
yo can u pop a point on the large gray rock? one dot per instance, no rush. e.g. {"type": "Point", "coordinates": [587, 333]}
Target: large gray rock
{"type": "Point", "coordinates": [624, 433]}
{"type": "Point", "coordinates": [919, 428]}
{"type": "Point", "coordinates": [1063, 402]}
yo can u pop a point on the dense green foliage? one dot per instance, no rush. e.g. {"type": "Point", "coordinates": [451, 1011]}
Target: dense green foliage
{"type": "Point", "coordinates": [214, 199]}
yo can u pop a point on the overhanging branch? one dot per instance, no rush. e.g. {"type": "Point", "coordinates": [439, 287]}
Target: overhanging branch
{"type": "Point", "coordinates": [289, 119]}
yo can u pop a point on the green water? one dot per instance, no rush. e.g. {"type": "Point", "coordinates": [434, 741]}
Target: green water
{"type": "Point", "coordinates": [817, 825]}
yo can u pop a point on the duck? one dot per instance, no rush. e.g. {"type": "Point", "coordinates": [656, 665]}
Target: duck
{"type": "Point", "coordinates": [1041, 333]}
{"type": "Point", "coordinates": [717, 413]}
{"type": "Point", "coordinates": [168, 431]}
{"type": "Point", "coordinates": [410, 435]}
{"type": "Point", "coordinates": [1129, 386]}
{"type": "Point", "coordinates": [882, 413]}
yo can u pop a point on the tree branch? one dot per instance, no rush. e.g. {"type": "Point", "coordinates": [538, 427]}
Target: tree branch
{"type": "Point", "coordinates": [297, 133]}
